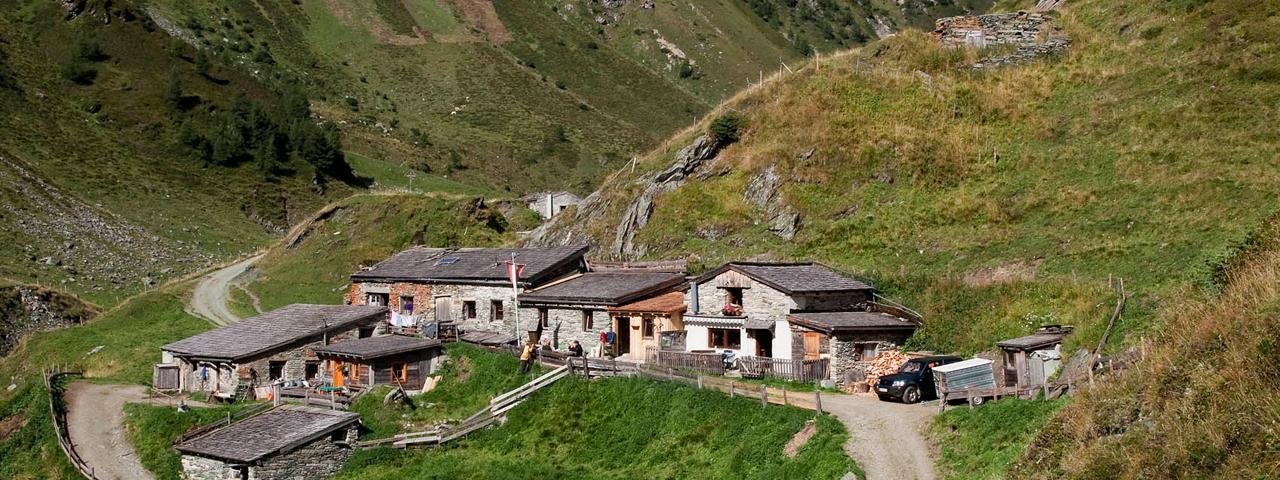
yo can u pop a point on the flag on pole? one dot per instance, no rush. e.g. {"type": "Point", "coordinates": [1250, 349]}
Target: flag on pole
{"type": "Point", "coordinates": [513, 272]}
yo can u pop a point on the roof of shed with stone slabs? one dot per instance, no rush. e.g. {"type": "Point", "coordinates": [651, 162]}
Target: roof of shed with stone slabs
{"type": "Point", "coordinates": [603, 288]}
{"type": "Point", "coordinates": [272, 330]}
{"type": "Point", "coordinates": [1032, 342]}
{"type": "Point", "coordinates": [470, 264]}
{"type": "Point", "coordinates": [371, 348]}
{"type": "Point", "coordinates": [792, 278]}
{"type": "Point", "coordinates": [282, 428]}
{"type": "Point", "coordinates": [838, 322]}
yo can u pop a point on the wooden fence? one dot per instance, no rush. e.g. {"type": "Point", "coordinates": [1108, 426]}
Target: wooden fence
{"type": "Point", "coordinates": [796, 370]}
{"type": "Point", "coordinates": [708, 363]}
{"type": "Point", "coordinates": [766, 395]}
{"type": "Point", "coordinates": [58, 414]}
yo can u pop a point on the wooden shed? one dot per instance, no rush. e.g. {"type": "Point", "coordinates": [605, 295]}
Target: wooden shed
{"type": "Point", "coordinates": [395, 360]}
{"type": "Point", "coordinates": [1029, 361]}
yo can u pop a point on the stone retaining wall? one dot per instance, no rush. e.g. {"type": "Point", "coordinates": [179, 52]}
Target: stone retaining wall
{"type": "Point", "coordinates": [1030, 35]}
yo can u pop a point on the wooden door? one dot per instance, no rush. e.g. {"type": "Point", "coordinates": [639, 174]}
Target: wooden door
{"type": "Point", "coordinates": [812, 340]}
{"type": "Point", "coordinates": [335, 371]}
{"type": "Point", "coordinates": [443, 305]}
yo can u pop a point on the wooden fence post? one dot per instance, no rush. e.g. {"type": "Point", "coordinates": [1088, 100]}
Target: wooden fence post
{"type": "Point", "coordinates": [817, 400]}
{"type": "Point", "coordinates": [731, 389]}
{"type": "Point", "coordinates": [586, 368]}
{"type": "Point", "coordinates": [784, 397]}
{"type": "Point", "coordinates": [699, 382]}
{"type": "Point", "coordinates": [764, 396]}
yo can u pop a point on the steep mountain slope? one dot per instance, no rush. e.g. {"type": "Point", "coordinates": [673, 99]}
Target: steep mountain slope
{"type": "Point", "coordinates": [992, 200]}
{"type": "Point", "coordinates": [513, 94]}
{"type": "Point", "coordinates": [106, 189]}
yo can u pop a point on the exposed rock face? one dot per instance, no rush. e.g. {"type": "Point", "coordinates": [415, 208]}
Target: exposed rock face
{"type": "Point", "coordinates": [25, 310]}
{"type": "Point", "coordinates": [1034, 35]}
{"type": "Point", "coordinates": [762, 192]}
{"type": "Point", "coordinates": [636, 216]}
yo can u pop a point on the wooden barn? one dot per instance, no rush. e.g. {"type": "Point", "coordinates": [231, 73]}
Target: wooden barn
{"type": "Point", "coordinates": [395, 360]}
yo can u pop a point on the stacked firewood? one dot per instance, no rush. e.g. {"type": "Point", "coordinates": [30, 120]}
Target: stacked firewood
{"type": "Point", "coordinates": [887, 362]}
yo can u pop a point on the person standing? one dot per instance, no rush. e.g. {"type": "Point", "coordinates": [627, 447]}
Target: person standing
{"type": "Point", "coordinates": [526, 357]}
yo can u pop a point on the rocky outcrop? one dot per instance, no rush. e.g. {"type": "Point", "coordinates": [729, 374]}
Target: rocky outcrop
{"type": "Point", "coordinates": [25, 310]}
{"type": "Point", "coordinates": [763, 193]}
{"type": "Point", "coordinates": [1032, 34]}
{"type": "Point", "coordinates": [637, 214]}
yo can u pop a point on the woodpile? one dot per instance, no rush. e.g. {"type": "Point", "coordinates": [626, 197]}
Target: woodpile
{"type": "Point", "coordinates": [886, 363]}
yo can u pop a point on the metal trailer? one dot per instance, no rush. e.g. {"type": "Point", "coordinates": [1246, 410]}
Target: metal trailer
{"type": "Point", "coordinates": [973, 380]}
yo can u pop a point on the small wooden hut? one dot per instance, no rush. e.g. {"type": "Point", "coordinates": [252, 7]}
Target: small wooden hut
{"type": "Point", "coordinates": [395, 360]}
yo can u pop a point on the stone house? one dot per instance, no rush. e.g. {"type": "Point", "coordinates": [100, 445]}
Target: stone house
{"type": "Point", "coordinates": [277, 345]}
{"type": "Point", "coordinates": [850, 339]}
{"type": "Point", "coordinates": [743, 306]}
{"type": "Point", "coordinates": [578, 308]}
{"type": "Point", "coordinates": [285, 443]}
{"type": "Point", "coordinates": [550, 204]}
{"type": "Point", "coordinates": [1031, 360]}
{"type": "Point", "coordinates": [469, 287]}
{"type": "Point", "coordinates": [395, 360]}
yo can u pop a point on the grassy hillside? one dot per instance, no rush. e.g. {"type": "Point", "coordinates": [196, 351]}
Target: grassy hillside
{"type": "Point", "coordinates": [367, 229]}
{"type": "Point", "coordinates": [994, 201]}
{"type": "Point", "coordinates": [1200, 404]}
{"type": "Point", "coordinates": [521, 95]}
{"type": "Point", "coordinates": [617, 428]}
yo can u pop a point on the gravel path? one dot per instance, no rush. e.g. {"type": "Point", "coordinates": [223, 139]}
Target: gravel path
{"type": "Point", "coordinates": [209, 300]}
{"type": "Point", "coordinates": [885, 438]}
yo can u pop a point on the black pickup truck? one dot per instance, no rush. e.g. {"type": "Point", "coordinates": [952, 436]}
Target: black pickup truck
{"type": "Point", "coordinates": [914, 380]}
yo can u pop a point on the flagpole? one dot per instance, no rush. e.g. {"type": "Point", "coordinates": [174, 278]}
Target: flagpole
{"type": "Point", "coordinates": [515, 297]}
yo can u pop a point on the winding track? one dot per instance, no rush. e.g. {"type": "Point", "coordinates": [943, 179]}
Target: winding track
{"type": "Point", "coordinates": [209, 300]}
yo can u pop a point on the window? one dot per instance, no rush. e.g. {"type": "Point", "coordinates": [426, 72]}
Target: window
{"type": "Point", "coordinates": [406, 305]}
{"type": "Point", "coordinates": [495, 310]}
{"type": "Point", "coordinates": [587, 321]}
{"type": "Point", "coordinates": [544, 319]}
{"type": "Point", "coordinates": [275, 370]}
{"type": "Point", "coordinates": [648, 326]}
{"type": "Point", "coordinates": [365, 332]}
{"type": "Point", "coordinates": [312, 369]}
{"type": "Point", "coordinates": [379, 299]}
{"type": "Point", "coordinates": [469, 310]}
{"type": "Point", "coordinates": [733, 296]}
{"type": "Point", "coordinates": [730, 338]}
{"type": "Point", "coordinates": [399, 372]}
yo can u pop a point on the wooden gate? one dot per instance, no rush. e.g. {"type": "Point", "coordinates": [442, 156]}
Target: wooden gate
{"type": "Point", "coordinates": [164, 376]}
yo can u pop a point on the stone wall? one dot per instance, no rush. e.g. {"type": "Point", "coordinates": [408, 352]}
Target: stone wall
{"type": "Point", "coordinates": [424, 297]}
{"type": "Point", "coordinates": [319, 459]}
{"type": "Point", "coordinates": [845, 348]}
{"type": "Point", "coordinates": [565, 324]}
{"type": "Point", "coordinates": [200, 468]}
{"type": "Point", "coordinates": [1029, 35]}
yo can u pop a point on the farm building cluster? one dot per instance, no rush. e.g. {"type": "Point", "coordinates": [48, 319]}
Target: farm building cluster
{"type": "Point", "coordinates": [800, 321]}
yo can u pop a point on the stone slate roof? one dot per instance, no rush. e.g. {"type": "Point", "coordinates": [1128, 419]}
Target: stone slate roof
{"type": "Point", "coordinates": [273, 330]}
{"type": "Point", "coordinates": [377, 347]}
{"type": "Point", "coordinates": [481, 337]}
{"type": "Point", "coordinates": [665, 303]}
{"type": "Point", "coordinates": [282, 428]}
{"type": "Point", "coordinates": [471, 265]}
{"type": "Point", "coordinates": [792, 278]}
{"type": "Point", "coordinates": [603, 288]}
{"type": "Point", "coordinates": [839, 322]}
{"type": "Point", "coordinates": [1032, 342]}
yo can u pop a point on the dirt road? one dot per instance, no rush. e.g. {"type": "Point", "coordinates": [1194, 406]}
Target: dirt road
{"type": "Point", "coordinates": [95, 421]}
{"type": "Point", "coordinates": [885, 438]}
{"type": "Point", "coordinates": [209, 300]}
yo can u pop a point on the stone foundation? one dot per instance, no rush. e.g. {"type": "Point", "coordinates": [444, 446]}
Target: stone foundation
{"type": "Point", "coordinates": [1029, 35]}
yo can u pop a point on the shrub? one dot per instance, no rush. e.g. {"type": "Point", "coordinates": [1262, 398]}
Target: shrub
{"type": "Point", "coordinates": [79, 71]}
{"type": "Point", "coordinates": [725, 128]}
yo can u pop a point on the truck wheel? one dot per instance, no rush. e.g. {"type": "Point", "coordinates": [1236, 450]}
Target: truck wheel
{"type": "Point", "coordinates": [911, 395]}
{"type": "Point", "coordinates": [977, 400]}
